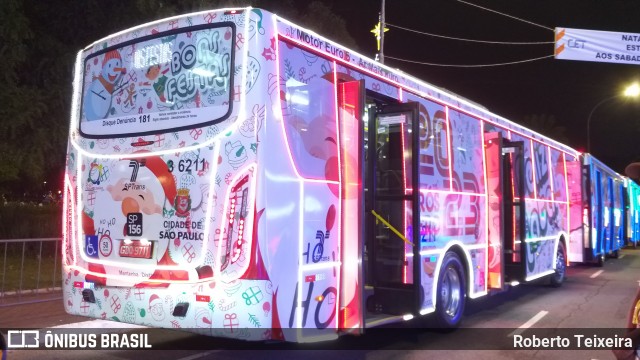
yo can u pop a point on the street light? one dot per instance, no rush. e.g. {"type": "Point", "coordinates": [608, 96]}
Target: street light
{"type": "Point", "coordinates": [631, 91]}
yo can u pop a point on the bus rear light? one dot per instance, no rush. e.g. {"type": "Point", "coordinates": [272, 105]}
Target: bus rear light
{"type": "Point", "coordinates": [69, 222]}
{"type": "Point", "coordinates": [236, 214]}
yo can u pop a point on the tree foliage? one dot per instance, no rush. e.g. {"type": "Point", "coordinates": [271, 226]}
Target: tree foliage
{"type": "Point", "coordinates": [39, 41]}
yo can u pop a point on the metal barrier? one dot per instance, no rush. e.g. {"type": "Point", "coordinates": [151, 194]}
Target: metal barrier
{"type": "Point", "coordinates": [31, 271]}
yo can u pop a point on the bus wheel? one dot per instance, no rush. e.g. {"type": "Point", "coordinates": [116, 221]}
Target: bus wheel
{"type": "Point", "coordinates": [615, 254]}
{"type": "Point", "coordinates": [561, 267]}
{"type": "Point", "coordinates": [451, 294]}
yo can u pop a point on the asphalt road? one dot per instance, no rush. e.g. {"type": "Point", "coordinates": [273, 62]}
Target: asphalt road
{"type": "Point", "coordinates": [591, 299]}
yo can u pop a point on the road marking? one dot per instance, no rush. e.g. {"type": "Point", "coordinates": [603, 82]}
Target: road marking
{"type": "Point", "coordinates": [621, 256]}
{"type": "Point", "coordinates": [529, 323]}
{"type": "Point", "coordinates": [595, 274]}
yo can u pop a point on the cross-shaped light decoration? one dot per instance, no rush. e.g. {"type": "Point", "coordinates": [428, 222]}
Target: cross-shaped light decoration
{"type": "Point", "coordinates": [376, 32]}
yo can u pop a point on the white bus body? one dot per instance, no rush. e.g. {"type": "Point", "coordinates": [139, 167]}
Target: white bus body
{"type": "Point", "coordinates": [234, 174]}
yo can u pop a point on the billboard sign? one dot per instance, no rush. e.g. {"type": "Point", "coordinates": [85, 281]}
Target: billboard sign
{"type": "Point", "coordinates": [598, 46]}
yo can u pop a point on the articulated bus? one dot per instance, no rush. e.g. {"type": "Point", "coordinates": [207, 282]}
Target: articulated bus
{"type": "Point", "coordinates": [604, 211]}
{"type": "Point", "coordinates": [232, 173]}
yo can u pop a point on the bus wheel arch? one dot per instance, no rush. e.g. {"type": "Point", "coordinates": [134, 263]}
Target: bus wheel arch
{"type": "Point", "coordinates": [451, 289]}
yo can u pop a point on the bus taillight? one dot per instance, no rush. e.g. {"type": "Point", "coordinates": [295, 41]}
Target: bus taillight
{"type": "Point", "coordinates": [69, 222]}
{"type": "Point", "coordinates": [233, 232]}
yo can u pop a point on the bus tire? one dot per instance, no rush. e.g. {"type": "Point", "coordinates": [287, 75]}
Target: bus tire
{"type": "Point", "coordinates": [558, 277]}
{"type": "Point", "coordinates": [451, 292]}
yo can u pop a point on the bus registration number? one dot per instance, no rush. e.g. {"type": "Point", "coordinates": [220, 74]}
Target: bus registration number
{"type": "Point", "coordinates": [136, 249]}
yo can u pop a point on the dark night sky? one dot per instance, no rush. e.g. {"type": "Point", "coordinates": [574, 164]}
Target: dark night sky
{"type": "Point", "coordinates": [566, 89]}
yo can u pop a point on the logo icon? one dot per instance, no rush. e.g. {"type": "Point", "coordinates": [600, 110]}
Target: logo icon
{"type": "Point", "coordinates": [182, 203]}
{"type": "Point", "coordinates": [91, 246]}
{"type": "Point", "coordinates": [23, 339]}
{"type": "Point", "coordinates": [136, 166]}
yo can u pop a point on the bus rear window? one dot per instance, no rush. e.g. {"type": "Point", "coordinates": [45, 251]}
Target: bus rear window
{"type": "Point", "coordinates": [170, 82]}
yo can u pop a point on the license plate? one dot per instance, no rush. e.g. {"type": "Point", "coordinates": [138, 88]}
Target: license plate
{"type": "Point", "coordinates": [136, 249]}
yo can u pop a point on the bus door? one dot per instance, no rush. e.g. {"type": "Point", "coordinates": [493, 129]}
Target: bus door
{"type": "Point", "coordinates": [391, 201]}
{"type": "Point", "coordinates": [513, 207]}
{"type": "Point", "coordinates": [599, 219]}
{"type": "Point", "coordinates": [578, 212]}
{"type": "Point", "coordinates": [505, 183]}
{"type": "Point", "coordinates": [610, 222]}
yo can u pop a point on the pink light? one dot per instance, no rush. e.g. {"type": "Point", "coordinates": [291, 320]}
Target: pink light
{"type": "Point", "coordinates": [450, 154]}
{"type": "Point", "coordinates": [340, 188]}
{"type": "Point", "coordinates": [513, 216]}
{"type": "Point", "coordinates": [550, 166]}
{"type": "Point", "coordinates": [447, 192]}
{"type": "Point", "coordinates": [533, 168]}
{"type": "Point", "coordinates": [404, 168]}
{"type": "Point", "coordinates": [404, 222]}
{"type": "Point", "coordinates": [350, 237]}
{"type": "Point", "coordinates": [568, 200]}
{"type": "Point", "coordinates": [545, 201]}
{"type": "Point", "coordinates": [486, 208]}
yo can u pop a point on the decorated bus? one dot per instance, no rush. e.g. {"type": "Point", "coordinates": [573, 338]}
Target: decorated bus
{"type": "Point", "coordinates": [604, 196]}
{"type": "Point", "coordinates": [235, 174]}
{"type": "Point", "coordinates": [632, 211]}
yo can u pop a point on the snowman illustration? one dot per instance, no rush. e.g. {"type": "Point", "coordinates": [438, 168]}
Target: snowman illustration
{"type": "Point", "coordinates": [97, 99]}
